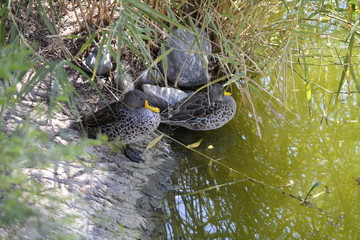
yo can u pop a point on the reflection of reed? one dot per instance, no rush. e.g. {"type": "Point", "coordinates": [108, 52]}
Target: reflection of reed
{"type": "Point", "coordinates": [205, 215]}
{"type": "Point", "coordinates": [216, 205]}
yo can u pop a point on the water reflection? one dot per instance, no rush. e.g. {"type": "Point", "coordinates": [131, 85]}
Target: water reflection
{"type": "Point", "coordinates": [214, 203]}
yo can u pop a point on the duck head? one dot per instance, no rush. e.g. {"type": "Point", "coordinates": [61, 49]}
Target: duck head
{"type": "Point", "coordinates": [217, 92]}
{"type": "Point", "coordinates": [136, 99]}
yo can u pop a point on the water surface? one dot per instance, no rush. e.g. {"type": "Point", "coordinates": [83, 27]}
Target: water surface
{"type": "Point", "coordinates": [310, 139]}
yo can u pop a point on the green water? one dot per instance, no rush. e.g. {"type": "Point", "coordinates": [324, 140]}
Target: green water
{"type": "Point", "coordinates": [312, 140]}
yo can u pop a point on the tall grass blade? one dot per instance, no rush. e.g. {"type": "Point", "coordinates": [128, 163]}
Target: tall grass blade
{"type": "Point", "coordinates": [162, 57]}
{"type": "Point", "coordinates": [86, 44]}
{"type": "Point", "coordinates": [154, 15]}
{"type": "Point", "coordinates": [45, 17]}
{"type": "Point", "coordinates": [3, 20]}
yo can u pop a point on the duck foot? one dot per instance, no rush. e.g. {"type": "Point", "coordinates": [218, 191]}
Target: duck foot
{"type": "Point", "coordinates": [133, 154]}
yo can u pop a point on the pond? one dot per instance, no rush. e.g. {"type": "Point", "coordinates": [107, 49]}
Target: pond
{"type": "Point", "coordinates": [260, 184]}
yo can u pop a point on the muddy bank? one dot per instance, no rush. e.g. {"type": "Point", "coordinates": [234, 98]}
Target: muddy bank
{"type": "Point", "coordinates": [110, 198]}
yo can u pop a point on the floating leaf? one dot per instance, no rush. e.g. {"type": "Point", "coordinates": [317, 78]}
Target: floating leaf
{"type": "Point", "coordinates": [154, 141]}
{"type": "Point", "coordinates": [210, 164]}
{"type": "Point", "coordinates": [318, 194]}
{"type": "Point", "coordinates": [195, 145]}
{"type": "Point", "coordinates": [211, 171]}
{"type": "Point", "coordinates": [312, 188]}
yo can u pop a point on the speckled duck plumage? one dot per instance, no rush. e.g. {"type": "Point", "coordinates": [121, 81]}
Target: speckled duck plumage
{"type": "Point", "coordinates": [129, 120]}
{"type": "Point", "coordinates": [202, 111]}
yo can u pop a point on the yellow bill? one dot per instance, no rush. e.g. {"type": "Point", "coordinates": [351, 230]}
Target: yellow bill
{"type": "Point", "coordinates": [154, 109]}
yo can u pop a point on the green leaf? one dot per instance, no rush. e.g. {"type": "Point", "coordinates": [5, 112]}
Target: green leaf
{"type": "Point", "coordinates": [162, 56]}
{"type": "Point", "coordinates": [312, 188]}
{"type": "Point", "coordinates": [87, 43]}
{"type": "Point", "coordinates": [45, 18]}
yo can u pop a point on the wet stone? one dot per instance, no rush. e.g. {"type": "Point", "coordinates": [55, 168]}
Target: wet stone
{"type": "Point", "coordinates": [148, 76]}
{"type": "Point", "coordinates": [123, 79]}
{"type": "Point", "coordinates": [188, 62]}
{"type": "Point", "coordinates": [104, 64]}
{"type": "Point", "coordinates": [162, 97]}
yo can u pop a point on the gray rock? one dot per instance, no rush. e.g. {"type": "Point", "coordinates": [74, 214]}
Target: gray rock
{"type": "Point", "coordinates": [163, 97]}
{"type": "Point", "coordinates": [148, 76]}
{"type": "Point", "coordinates": [123, 79]}
{"type": "Point", "coordinates": [104, 64]}
{"type": "Point", "coordinates": [185, 67]}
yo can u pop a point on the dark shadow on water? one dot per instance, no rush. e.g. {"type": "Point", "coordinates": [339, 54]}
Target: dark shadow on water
{"type": "Point", "coordinates": [183, 135]}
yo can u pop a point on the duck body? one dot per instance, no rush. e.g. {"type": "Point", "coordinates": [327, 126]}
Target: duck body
{"type": "Point", "coordinates": [202, 111]}
{"type": "Point", "coordinates": [122, 121]}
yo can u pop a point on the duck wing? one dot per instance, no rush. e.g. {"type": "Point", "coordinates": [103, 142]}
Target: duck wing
{"type": "Point", "coordinates": [106, 115]}
{"type": "Point", "coordinates": [195, 107]}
